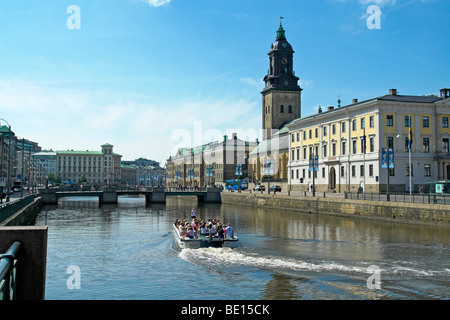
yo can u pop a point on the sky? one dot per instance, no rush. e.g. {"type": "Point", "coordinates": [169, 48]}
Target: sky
{"type": "Point", "coordinates": [150, 76]}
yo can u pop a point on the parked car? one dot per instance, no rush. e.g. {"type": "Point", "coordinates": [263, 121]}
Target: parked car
{"type": "Point", "coordinates": [275, 188]}
{"type": "Point", "coordinates": [259, 187]}
{"type": "Point", "coordinates": [16, 189]}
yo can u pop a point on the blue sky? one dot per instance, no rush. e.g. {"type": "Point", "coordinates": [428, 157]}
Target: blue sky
{"type": "Point", "coordinates": [149, 76]}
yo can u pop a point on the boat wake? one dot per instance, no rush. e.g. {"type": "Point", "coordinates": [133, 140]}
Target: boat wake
{"type": "Point", "coordinates": [227, 258]}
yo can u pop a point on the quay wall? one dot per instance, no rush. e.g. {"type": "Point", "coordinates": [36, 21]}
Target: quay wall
{"type": "Point", "coordinates": [24, 216]}
{"type": "Point", "coordinates": [414, 213]}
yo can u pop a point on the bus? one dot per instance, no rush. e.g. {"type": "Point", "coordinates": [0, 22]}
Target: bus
{"type": "Point", "coordinates": [236, 184]}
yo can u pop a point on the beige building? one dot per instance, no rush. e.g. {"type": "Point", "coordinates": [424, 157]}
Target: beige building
{"type": "Point", "coordinates": [210, 164]}
{"type": "Point", "coordinates": [91, 167]}
{"type": "Point", "coordinates": [349, 143]}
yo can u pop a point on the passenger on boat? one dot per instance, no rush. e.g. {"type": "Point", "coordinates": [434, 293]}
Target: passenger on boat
{"type": "Point", "coordinates": [220, 232]}
{"type": "Point", "coordinates": [211, 231]}
{"type": "Point", "coordinates": [190, 233]}
{"type": "Point", "coordinates": [204, 229]}
{"type": "Point", "coordinates": [230, 231]}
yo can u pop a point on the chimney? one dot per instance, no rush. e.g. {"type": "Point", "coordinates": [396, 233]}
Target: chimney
{"type": "Point", "coordinates": [445, 93]}
{"type": "Point", "coordinates": [355, 101]}
{"type": "Point", "coordinates": [234, 136]}
{"type": "Point", "coordinates": [225, 138]}
{"type": "Point", "coordinates": [330, 108]}
{"type": "Point", "coordinates": [393, 92]}
{"type": "Point", "coordinates": [320, 109]}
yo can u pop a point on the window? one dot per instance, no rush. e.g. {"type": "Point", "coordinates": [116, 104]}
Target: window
{"type": "Point", "coordinates": [292, 174]}
{"type": "Point", "coordinates": [316, 133]}
{"type": "Point", "coordinates": [310, 133]}
{"type": "Point", "coordinates": [407, 122]}
{"type": "Point", "coordinates": [372, 121]}
{"type": "Point", "coordinates": [427, 170]}
{"type": "Point", "coordinates": [342, 171]}
{"type": "Point", "coordinates": [390, 142]}
{"type": "Point", "coordinates": [290, 109]}
{"type": "Point", "coordinates": [363, 145]}
{"type": "Point", "coordinates": [389, 120]}
{"type": "Point", "coordinates": [292, 138]}
{"type": "Point", "coordinates": [282, 109]}
{"type": "Point", "coordinates": [343, 148]}
{"type": "Point", "coordinates": [303, 174]}
{"type": "Point", "coordinates": [445, 145]}
{"type": "Point", "coordinates": [407, 170]}
{"type": "Point", "coordinates": [293, 153]}
{"type": "Point", "coordinates": [304, 135]}
{"type": "Point", "coordinates": [333, 128]}
{"type": "Point", "coordinates": [363, 123]}
{"type": "Point", "coordinates": [324, 131]}
{"type": "Point", "coordinates": [370, 170]}
{"type": "Point", "coordinates": [361, 170]}
{"type": "Point", "coordinates": [406, 144]}
{"type": "Point", "coordinates": [372, 144]}
{"type": "Point", "coordinates": [426, 145]}
{"type": "Point", "coordinates": [444, 122]}
{"type": "Point", "coordinates": [353, 171]}
{"type": "Point", "coordinates": [298, 136]}
{"type": "Point", "coordinates": [343, 127]}
{"type": "Point", "coordinates": [354, 124]}
{"type": "Point", "coordinates": [426, 122]}
{"type": "Point", "coordinates": [298, 153]}
{"type": "Point", "coordinates": [297, 173]}
{"type": "Point", "coordinates": [325, 151]}
{"type": "Point", "coordinates": [323, 172]}
{"type": "Point", "coordinates": [334, 149]}
{"type": "Point", "coordinates": [354, 146]}
{"type": "Point", "coordinates": [304, 152]}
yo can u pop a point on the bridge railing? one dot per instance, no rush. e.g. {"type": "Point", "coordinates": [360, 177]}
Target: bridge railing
{"type": "Point", "coordinates": [8, 272]}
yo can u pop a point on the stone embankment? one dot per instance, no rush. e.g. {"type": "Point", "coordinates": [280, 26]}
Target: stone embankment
{"type": "Point", "coordinates": [380, 210]}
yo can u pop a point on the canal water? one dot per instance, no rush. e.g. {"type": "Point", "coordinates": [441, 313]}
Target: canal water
{"type": "Point", "coordinates": [127, 252]}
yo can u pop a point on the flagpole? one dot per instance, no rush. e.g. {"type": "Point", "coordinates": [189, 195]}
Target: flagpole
{"type": "Point", "coordinates": [410, 151]}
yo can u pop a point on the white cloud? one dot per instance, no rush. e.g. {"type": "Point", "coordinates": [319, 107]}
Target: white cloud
{"type": "Point", "coordinates": [157, 3]}
{"type": "Point", "coordinates": [380, 3]}
{"type": "Point", "coordinates": [63, 119]}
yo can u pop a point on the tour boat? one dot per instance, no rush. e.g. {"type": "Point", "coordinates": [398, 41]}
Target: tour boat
{"type": "Point", "coordinates": [202, 241]}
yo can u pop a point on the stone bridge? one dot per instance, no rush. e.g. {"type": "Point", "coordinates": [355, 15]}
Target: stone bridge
{"type": "Point", "coordinates": [111, 195]}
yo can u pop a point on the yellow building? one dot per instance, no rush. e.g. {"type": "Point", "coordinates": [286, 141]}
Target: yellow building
{"type": "Point", "coordinates": [338, 136]}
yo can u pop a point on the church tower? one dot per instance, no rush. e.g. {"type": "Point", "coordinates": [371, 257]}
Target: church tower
{"type": "Point", "coordinates": [282, 94]}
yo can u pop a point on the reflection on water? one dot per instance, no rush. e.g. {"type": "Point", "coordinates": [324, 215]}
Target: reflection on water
{"type": "Point", "coordinates": [126, 251]}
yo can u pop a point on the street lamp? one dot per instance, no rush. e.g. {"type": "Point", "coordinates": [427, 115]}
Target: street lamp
{"type": "Point", "coordinates": [8, 178]}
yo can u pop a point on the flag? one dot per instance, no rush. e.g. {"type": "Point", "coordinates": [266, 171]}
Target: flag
{"type": "Point", "coordinates": [410, 134]}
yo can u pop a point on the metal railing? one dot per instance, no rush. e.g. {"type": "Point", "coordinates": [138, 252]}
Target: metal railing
{"type": "Point", "coordinates": [8, 272]}
{"type": "Point", "coordinates": [424, 198]}
{"type": "Point", "coordinates": [9, 208]}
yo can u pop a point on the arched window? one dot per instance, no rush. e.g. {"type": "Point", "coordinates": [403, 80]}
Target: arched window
{"type": "Point", "coordinates": [282, 109]}
{"type": "Point", "coordinates": [290, 109]}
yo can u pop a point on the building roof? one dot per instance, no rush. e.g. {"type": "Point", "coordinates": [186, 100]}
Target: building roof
{"type": "Point", "coordinates": [389, 97]}
{"type": "Point", "coordinates": [72, 152]}
{"type": "Point", "coordinates": [275, 144]}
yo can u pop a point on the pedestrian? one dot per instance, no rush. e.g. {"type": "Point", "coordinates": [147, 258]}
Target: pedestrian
{"type": "Point", "coordinates": [193, 213]}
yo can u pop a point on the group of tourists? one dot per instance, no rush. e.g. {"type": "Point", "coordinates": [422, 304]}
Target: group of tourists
{"type": "Point", "coordinates": [211, 228]}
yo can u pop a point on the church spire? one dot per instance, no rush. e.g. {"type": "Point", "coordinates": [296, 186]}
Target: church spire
{"type": "Point", "coordinates": [281, 34]}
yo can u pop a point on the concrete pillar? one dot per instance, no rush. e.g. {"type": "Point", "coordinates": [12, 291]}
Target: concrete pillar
{"type": "Point", "coordinates": [48, 196]}
{"type": "Point", "coordinates": [32, 263]}
{"type": "Point", "coordinates": [109, 196]}
{"type": "Point", "coordinates": [157, 195]}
